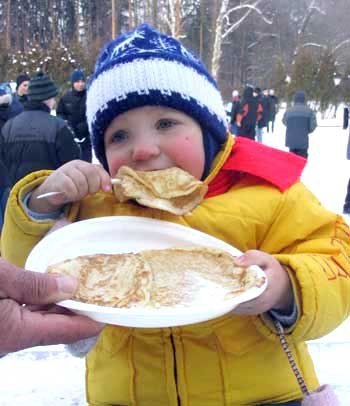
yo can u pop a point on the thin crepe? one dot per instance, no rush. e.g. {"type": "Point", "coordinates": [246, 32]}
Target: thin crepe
{"type": "Point", "coordinates": [172, 189]}
{"type": "Point", "coordinates": [157, 278]}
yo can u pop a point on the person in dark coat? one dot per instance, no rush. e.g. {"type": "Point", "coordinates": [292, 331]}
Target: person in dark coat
{"type": "Point", "coordinates": [300, 121]}
{"type": "Point", "coordinates": [4, 191]}
{"type": "Point", "coordinates": [22, 84]}
{"type": "Point", "coordinates": [234, 111]}
{"type": "Point", "coordinates": [262, 122]}
{"type": "Point", "coordinates": [272, 110]}
{"type": "Point", "coordinates": [35, 139]}
{"type": "Point", "coordinates": [72, 108]}
{"type": "Point", "coordinates": [9, 106]}
{"type": "Point", "coordinates": [346, 207]}
{"type": "Point", "coordinates": [249, 113]}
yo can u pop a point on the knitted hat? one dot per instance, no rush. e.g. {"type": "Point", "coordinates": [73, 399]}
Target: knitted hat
{"type": "Point", "coordinates": [77, 75]}
{"type": "Point", "coordinates": [299, 97]}
{"type": "Point", "coordinates": [22, 78]}
{"type": "Point", "coordinates": [144, 67]}
{"type": "Point", "coordinates": [41, 88]}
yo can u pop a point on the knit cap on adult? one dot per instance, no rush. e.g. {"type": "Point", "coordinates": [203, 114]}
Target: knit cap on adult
{"type": "Point", "coordinates": [41, 88]}
{"type": "Point", "coordinates": [77, 75]}
{"type": "Point", "coordinates": [145, 67]}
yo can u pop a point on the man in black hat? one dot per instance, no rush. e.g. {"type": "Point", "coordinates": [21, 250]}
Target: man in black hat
{"type": "Point", "coordinates": [35, 139]}
{"type": "Point", "coordinates": [72, 108]}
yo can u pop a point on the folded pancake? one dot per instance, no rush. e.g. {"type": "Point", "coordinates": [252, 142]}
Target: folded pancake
{"type": "Point", "coordinates": [173, 277]}
{"type": "Point", "coordinates": [122, 280]}
{"type": "Point", "coordinates": [172, 189]}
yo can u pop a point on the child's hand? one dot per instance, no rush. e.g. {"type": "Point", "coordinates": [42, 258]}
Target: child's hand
{"type": "Point", "coordinates": [278, 294]}
{"type": "Point", "coordinates": [76, 179]}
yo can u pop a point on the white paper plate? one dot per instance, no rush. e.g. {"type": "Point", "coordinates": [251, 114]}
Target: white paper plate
{"type": "Point", "coordinates": [120, 234]}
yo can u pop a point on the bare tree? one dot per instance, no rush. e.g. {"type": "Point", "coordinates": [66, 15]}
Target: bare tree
{"type": "Point", "coordinates": [223, 21]}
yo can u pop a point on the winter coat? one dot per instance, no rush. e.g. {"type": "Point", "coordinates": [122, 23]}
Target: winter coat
{"type": "Point", "coordinates": [231, 360]}
{"type": "Point", "coordinates": [265, 111]}
{"type": "Point", "coordinates": [8, 111]}
{"type": "Point", "coordinates": [72, 108]}
{"type": "Point", "coordinates": [345, 126]}
{"type": "Point", "coordinates": [35, 140]}
{"type": "Point", "coordinates": [234, 110]}
{"type": "Point", "coordinates": [272, 107]}
{"type": "Point", "coordinates": [249, 113]}
{"type": "Point", "coordinates": [4, 191]}
{"type": "Point", "coordinates": [21, 100]}
{"type": "Point", "coordinates": [300, 120]}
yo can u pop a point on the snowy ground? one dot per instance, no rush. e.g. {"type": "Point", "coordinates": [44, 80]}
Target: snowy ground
{"type": "Point", "coordinates": [48, 376]}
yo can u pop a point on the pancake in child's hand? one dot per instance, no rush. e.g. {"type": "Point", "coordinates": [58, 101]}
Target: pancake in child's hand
{"type": "Point", "coordinates": [172, 190]}
{"type": "Point", "coordinates": [158, 278]}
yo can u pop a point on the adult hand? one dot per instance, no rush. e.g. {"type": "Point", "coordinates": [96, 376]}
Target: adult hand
{"type": "Point", "coordinates": [278, 294]}
{"type": "Point", "coordinates": [22, 327]}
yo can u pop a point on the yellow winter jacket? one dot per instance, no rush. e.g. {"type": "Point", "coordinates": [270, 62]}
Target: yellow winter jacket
{"type": "Point", "coordinates": [230, 360]}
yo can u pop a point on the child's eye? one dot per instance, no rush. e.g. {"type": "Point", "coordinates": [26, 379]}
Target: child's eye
{"type": "Point", "coordinates": [165, 123]}
{"type": "Point", "coordinates": [119, 136]}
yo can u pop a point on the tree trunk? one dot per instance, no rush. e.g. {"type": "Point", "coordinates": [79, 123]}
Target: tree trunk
{"type": "Point", "coordinates": [215, 65]}
{"type": "Point", "coordinates": [113, 19]}
{"type": "Point", "coordinates": [8, 25]}
{"type": "Point", "coordinates": [155, 13]}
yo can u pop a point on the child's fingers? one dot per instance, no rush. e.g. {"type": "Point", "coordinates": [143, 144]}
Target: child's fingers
{"type": "Point", "coordinates": [253, 257]}
{"type": "Point", "coordinates": [95, 176]}
{"type": "Point", "coordinates": [105, 179]}
{"type": "Point", "coordinates": [79, 186]}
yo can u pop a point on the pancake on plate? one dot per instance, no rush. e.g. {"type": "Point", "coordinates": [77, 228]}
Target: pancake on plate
{"type": "Point", "coordinates": [109, 280]}
{"type": "Point", "coordinates": [174, 277]}
{"type": "Point", "coordinates": [172, 190]}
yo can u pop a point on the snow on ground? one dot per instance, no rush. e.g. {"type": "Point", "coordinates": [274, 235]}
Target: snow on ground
{"type": "Point", "coordinates": [49, 376]}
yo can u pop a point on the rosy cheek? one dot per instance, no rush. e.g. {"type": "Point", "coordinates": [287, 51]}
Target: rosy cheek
{"type": "Point", "coordinates": [188, 154]}
{"type": "Point", "coordinates": [114, 163]}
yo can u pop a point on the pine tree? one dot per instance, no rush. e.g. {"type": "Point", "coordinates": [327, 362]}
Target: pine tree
{"type": "Point", "coordinates": [325, 90]}
{"type": "Point", "coordinates": [304, 75]}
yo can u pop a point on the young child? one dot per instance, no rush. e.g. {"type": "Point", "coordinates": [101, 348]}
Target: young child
{"type": "Point", "coordinates": [152, 105]}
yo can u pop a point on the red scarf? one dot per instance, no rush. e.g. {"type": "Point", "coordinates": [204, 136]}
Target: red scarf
{"type": "Point", "coordinates": [281, 169]}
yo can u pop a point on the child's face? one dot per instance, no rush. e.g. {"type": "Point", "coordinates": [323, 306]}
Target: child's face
{"type": "Point", "coordinates": [152, 138]}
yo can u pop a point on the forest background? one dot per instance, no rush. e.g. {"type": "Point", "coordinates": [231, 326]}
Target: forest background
{"type": "Point", "coordinates": [286, 45]}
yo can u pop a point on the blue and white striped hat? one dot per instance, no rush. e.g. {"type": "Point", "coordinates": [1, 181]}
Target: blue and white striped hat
{"type": "Point", "coordinates": [145, 67]}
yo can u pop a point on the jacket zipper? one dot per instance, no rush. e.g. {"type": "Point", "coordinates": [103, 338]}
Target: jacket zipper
{"type": "Point", "coordinates": [175, 369]}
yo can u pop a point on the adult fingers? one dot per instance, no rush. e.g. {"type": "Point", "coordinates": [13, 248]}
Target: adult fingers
{"type": "Point", "coordinates": [34, 288]}
{"type": "Point", "coordinates": [23, 329]}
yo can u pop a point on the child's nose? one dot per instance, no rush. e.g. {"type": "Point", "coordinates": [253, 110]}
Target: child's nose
{"type": "Point", "coordinates": [143, 152]}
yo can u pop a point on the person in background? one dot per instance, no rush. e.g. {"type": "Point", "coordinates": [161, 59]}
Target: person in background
{"type": "Point", "coordinates": [250, 111]}
{"type": "Point", "coordinates": [9, 105]}
{"type": "Point", "coordinates": [234, 111]}
{"type": "Point", "coordinates": [4, 192]}
{"type": "Point", "coordinates": [300, 121]}
{"type": "Point", "coordinates": [272, 109]}
{"type": "Point", "coordinates": [72, 108]}
{"type": "Point", "coordinates": [22, 84]}
{"type": "Point", "coordinates": [35, 139]}
{"type": "Point", "coordinates": [346, 207]}
{"type": "Point", "coordinates": [22, 326]}
{"type": "Point", "coordinates": [262, 122]}
{"type": "Point", "coordinates": [169, 113]}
